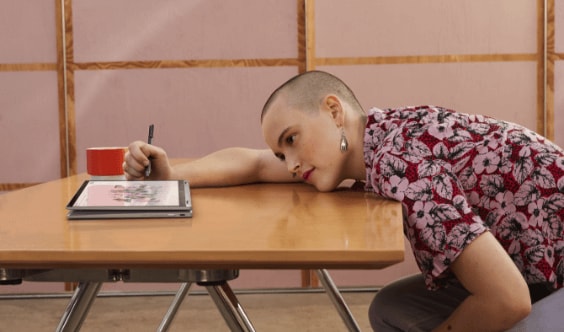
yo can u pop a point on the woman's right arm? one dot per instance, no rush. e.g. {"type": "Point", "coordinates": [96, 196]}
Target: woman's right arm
{"type": "Point", "coordinates": [226, 167]}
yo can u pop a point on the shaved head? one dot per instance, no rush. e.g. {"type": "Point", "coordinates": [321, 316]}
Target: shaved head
{"type": "Point", "coordinates": [306, 92]}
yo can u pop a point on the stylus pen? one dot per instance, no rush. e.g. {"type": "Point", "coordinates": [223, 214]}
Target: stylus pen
{"type": "Point", "coordinates": [150, 141]}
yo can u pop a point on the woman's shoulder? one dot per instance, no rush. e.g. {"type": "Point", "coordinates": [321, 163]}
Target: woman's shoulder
{"type": "Point", "coordinates": [408, 112]}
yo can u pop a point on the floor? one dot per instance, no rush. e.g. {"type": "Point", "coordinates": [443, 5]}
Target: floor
{"type": "Point", "coordinates": [294, 311]}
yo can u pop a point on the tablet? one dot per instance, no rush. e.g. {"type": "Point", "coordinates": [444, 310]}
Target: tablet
{"type": "Point", "coordinates": [108, 199]}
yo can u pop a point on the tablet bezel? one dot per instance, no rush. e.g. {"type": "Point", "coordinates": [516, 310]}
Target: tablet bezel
{"type": "Point", "coordinates": [184, 198]}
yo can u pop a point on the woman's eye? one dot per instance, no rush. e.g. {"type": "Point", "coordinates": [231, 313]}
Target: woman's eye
{"type": "Point", "coordinates": [291, 139]}
{"type": "Point", "coordinates": [280, 156]}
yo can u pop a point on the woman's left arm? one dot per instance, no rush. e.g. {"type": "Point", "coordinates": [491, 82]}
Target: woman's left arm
{"type": "Point", "coordinates": [499, 296]}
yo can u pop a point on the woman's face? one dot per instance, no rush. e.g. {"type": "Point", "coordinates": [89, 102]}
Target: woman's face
{"type": "Point", "coordinates": [307, 142]}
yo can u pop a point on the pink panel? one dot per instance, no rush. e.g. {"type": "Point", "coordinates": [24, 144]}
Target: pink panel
{"type": "Point", "coordinates": [559, 103]}
{"type": "Point", "coordinates": [29, 127]}
{"type": "Point", "coordinates": [109, 30]}
{"type": "Point", "coordinates": [28, 31]}
{"type": "Point", "coordinates": [195, 111]}
{"type": "Point", "coordinates": [559, 26]}
{"type": "Point", "coordinates": [502, 90]}
{"type": "Point", "coordinates": [383, 28]}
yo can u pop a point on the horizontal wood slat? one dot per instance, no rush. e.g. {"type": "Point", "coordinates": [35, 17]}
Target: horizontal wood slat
{"type": "Point", "coordinates": [209, 63]}
{"type": "Point", "coordinates": [27, 66]}
{"type": "Point", "coordinates": [16, 186]}
{"type": "Point", "coordinates": [425, 59]}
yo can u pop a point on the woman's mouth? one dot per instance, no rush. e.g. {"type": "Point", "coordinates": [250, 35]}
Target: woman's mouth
{"type": "Point", "coordinates": [306, 175]}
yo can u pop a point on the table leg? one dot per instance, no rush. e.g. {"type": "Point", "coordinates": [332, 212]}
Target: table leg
{"type": "Point", "coordinates": [229, 306]}
{"type": "Point", "coordinates": [176, 302]}
{"type": "Point", "coordinates": [337, 300]}
{"type": "Point", "coordinates": [78, 307]}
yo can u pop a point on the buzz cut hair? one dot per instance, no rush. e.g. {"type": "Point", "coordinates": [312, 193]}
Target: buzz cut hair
{"type": "Point", "coordinates": [306, 91]}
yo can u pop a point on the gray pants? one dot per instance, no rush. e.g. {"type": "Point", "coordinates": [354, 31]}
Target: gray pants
{"type": "Point", "coordinates": [406, 305]}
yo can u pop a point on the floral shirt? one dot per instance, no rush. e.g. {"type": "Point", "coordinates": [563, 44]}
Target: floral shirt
{"type": "Point", "coordinates": [459, 175]}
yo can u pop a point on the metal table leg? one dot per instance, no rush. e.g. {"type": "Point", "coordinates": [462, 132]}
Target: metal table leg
{"type": "Point", "coordinates": [176, 302]}
{"type": "Point", "coordinates": [229, 306]}
{"type": "Point", "coordinates": [337, 300]}
{"type": "Point", "coordinates": [78, 307]}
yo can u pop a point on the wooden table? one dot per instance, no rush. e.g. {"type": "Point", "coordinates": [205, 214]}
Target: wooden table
{"type": "Point", "coordinates": [263, 226]}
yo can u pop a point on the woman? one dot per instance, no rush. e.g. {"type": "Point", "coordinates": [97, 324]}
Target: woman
{"type": "Point", "coordinates": [483, 202]}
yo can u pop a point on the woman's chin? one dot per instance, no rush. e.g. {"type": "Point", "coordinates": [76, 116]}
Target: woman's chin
{"type": "Point", "coordinates": [324, 187]}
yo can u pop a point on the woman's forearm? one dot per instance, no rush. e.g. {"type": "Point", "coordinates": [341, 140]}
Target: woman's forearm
{"type": "Point", "coordinates": [232, 166]}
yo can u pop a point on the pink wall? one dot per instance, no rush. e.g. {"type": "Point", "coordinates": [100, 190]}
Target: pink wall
{"type": "Point", "coordinates": [195, 111]}
{"type": "Point", "coordinates": [180, 29]}
{"type": "Point", "coordinates": [437, 27]}
{"type": "Point", "coordinates": [29, 123]}
{"type": "Point", "coordinates": [502, 90]}
{"type": "Point", "coordinates": [29, 126]}
{"type": "Point", "coordinates": [28, 31]}
{"type": "Point", "coordinates": [506, 90]}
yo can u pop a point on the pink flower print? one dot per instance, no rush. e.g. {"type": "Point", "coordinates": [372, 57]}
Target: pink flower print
{"type": "Point", "coordinates": [441, 131]}
{"type": "Point", "coordinates": [395, 187]}
{"type": "Point", "coordinates": [537, 212]}
{"type": "Point", "coordinates": [460, 203]}
{"type": "Point", "coordinates": [421, 216]}
{"type": "Point", "coordinates": [560, 163]}
{"type": "Point", "coordinates": [532, 237]}
{"type": "Point", "coordinates": [375, 134]}
{"type": "Point", "coordinates": [473, 198]}
{"type": "Point", "coordinates": [492, 144]}
{"type": "Point", "coordinates": [503, 203]}
{"type": "Point", "coordinates": [513, 226]}
{"type": "Point", "coordinates": [560, 184]}
{"type": "Point", "coordinates": [487, 161]}
{"type": "Point", "coordinates": [514, 247]}
{"type": "Point", "coordinates": [525, 152]}
{"type": "Point", "coordinates": [505, 165]}
{"type": "Point", "coordinates": [442, 262]}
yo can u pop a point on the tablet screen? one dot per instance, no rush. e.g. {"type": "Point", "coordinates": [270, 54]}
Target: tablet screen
{"type": "Point", "coordinates": [106, 194]}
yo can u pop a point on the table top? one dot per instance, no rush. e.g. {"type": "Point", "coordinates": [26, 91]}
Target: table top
{"type": "Point", "coordinates": [262, 226]}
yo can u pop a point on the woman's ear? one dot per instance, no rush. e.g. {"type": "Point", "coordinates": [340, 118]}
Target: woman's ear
{"type": "Point", "coordinates": [332, 104]}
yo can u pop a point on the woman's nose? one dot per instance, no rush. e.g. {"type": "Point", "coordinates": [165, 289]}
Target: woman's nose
{"type": "Point", "coordinates": [293, 165]}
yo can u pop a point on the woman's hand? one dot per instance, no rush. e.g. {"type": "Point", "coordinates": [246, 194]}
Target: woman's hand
{"type": "Point", "coordinates": [138, 157]}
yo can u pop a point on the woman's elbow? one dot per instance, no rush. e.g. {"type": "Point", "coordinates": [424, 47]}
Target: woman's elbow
{"type": "Point", "coordinates": [520, 311]}
{"type": "Point", "coordinates": [516, 307]}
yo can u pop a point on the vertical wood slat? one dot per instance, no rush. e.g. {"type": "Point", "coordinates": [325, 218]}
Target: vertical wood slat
{"type": "Point", "coordinates": [310, 34]}
{"type": "Point", "coordinates": [61, 87]}
{"type": "Point", "coordinates": [66, 100]}
{"type": "Point", "coordinates": [303, 56]}
{"type": "Point", "coordinates": [70, 88]}
{"type": "Point", "coordinates": [550, 59]}
{"type": "Point", "coordinates": [541, 73]}
{"type": "Point", "coordinates": [309, 277]}
{"type": "Point", "coordinates": [302, 40]}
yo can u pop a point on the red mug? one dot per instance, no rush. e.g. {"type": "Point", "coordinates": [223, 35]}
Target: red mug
{"type": "Point", "coordinates": [105, 161]}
